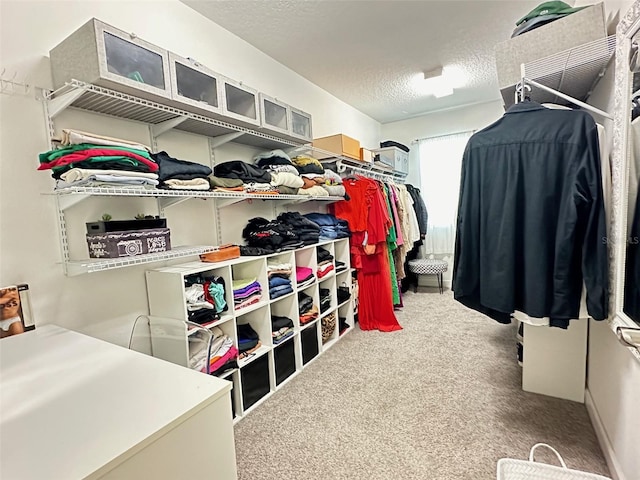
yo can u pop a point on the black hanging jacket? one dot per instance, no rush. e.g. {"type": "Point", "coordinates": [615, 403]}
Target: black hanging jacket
{"type": "Point", "coordinates": [531, 222]}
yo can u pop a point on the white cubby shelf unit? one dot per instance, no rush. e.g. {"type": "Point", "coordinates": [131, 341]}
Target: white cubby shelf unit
{"type": "Point", "coordinates": [272, 365]}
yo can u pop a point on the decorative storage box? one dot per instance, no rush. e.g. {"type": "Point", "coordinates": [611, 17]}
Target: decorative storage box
{"type": "Point", "coordinates": [125, 225]}
{"type": "Point", "coordinates": [395, 157]}
{"type": "Point", "coordinates": [339, 144]}
{"type": "Point", "coordinates": [565, 33]}
{"type": "Point", "coordinates": [128, 243]}
{"type": "Point", "coordinates": [240, 103]}
{"type": "Point", "coordinates": [301, 125]}
{"type": "Point", "coordinates": [100, 54]}
{"type": "Point", "coordinates": [274, 114]}
{"type": "Point", "coordinates": [194, 86]}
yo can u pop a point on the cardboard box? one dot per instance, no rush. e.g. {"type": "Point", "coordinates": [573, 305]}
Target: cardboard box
{"type": "Point", "coordinates": [366, 155]}
{"type": "Point", "coordinates": [128, 243]}
{"type": "Point", "coordinates": [340, 145]}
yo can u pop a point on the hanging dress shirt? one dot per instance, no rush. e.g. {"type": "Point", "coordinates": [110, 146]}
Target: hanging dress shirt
{"type": "Point", "coordinates": [531, 221]}
{"type": "Point", "coordinates": [605, 169]}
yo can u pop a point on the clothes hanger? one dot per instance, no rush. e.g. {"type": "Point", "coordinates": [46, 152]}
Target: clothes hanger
{"type": "Point", "coordinates": [583, 105]}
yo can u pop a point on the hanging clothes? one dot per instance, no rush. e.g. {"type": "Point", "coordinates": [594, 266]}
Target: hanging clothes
{"type": "Point", "coordinates": [605, 169]}
{"type": "Point", "coordinates": [370, 222]}
{"type": "Point", "coordinates": [392, 238]}
{"type": "Point", "coordinates": [419, 220]}
{"type": "Point", "coordinates": [531, 219]}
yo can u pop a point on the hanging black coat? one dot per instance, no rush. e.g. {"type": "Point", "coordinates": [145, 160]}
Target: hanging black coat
{"type": "Point", "coordinates": [531, 222]}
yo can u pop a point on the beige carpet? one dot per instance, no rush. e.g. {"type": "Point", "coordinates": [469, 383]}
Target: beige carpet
{"type": "Point", "coordinates": [440, 399]}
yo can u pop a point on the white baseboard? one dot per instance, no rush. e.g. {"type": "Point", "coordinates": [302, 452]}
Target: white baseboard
{"type": "Point", "coordinates": [603, 439]}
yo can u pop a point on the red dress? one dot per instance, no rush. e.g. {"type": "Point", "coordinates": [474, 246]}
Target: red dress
{"type": "Point", "coordinates": [369, 221]}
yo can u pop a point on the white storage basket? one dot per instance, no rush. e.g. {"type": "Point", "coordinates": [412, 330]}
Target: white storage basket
{"type": "Point", "coordinates": [511, 469]}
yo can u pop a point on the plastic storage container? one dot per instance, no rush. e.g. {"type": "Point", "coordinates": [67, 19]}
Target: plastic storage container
{"type": "Point", "coordinates": [240, 103]}
{"type": "Point", "coordinates": [395, 157]}
{"type": "Point", "coordinates": [301, 127]}
{"type": "Point", "coordinates": [274, 115]}
{"type": "Point", "coordinates": [194, 86]}
{"type": "Point", "coordinates": [100, 54]}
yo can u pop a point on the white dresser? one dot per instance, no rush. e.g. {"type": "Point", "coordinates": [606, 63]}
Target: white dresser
{"type": "Point", "coordinates": [74, 407]}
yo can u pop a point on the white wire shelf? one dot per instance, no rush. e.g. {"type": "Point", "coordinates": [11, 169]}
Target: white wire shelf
{"type": "Point", "coordinates": [346, 164]}
{"type": "Point", "coordinates": [78, 267]}
{"type": "Point", "coordinates": [66, 195]}
{"type": "Point", "coordinates": [102, 100]}
{"type": "Point", "coordinates": [264, 349]}
{"type": "Point", "coordinates": [574, 72]}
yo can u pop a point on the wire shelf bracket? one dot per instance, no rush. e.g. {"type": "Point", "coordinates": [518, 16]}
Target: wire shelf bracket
{"type": "Point", "coordinates": [163, 127]}
{"type": "Point", "coordinates": [570, 75]}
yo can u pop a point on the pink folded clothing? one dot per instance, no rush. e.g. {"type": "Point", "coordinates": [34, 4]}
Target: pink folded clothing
{"type": "Point", "coordinates": [230, 355]}
{"type": "Point", "coordinates": [249, 301]}
{"type": "Point", "coordinates": [303, 274]}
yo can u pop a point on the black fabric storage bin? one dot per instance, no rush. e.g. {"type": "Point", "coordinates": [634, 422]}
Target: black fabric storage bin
{"type": "Point", "coordinates": [309, 339]}
{"type": "Point", "coordinates": [285, 358]}
{"type": "Point", "coordinates": [255, 381]}
{"type": "Point", "coordinates": [233, 403]}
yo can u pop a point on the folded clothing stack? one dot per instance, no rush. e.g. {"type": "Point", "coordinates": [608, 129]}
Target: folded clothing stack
{"type": "Point", "coordinates": [325, 299]}
{"type": "Point", "coordinates": [307, 231]}
{"type": "Point", "coordinates": [307, 310]}
{"type": "Point", "coordinates": [333, 183]}
{"type": "Point", "coordinates": [304, 276]}
{"type": "Point", "coordinates": [178, 174]}
{"type": "Point", "coordinates": [281, 328]}
{"type": "Point", "coordinates": [330, 226]}
{"type": "Point", "coordinates": [279, 279]}
{"type": "Point", "coordinates": [290, 230]}
{"type": "Point", "coordinates": [312, 173]}
{"type": "Point", "coordinates": [254, 179]}
{"type": "Point", "coordinates": [270, 236]}
{"type": "Point", "coordinates": [205, 298]}
{"type": "Point", "coordinates": [246, 292]}
{"type": "Point", "coordinates": [340, 266]}
{"type": "Point", "coordinates": [223, 354]}
{"type": "Point", "coordinates": [284, 176]}
{"type": "Point", "coordinates": [279, 286]}
{"type": "Point", "coordinates": [91, 160]}
{"type": "Point", "coordinates": [248, 340]}
{"type": "Point", "coordinates": [325, 262]}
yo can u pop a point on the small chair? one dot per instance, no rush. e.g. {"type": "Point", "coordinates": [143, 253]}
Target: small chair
{"type": "Point", "coordinates": [428, 266]}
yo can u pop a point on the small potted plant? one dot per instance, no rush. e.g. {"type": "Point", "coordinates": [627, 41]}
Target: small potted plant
{"type": "Point", "coordinates": [139, 222]}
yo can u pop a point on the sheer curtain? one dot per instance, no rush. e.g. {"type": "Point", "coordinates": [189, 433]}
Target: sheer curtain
{"type": "Point", "coordinates": [440, 166]}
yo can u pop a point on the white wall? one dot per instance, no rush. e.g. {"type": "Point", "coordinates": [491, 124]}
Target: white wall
{"type": "Point", "coordinates": [472, 117]}
{"type": "Point", "coordinates": [613, 377]}
{"type": "Point", "coordinates": [105, 304]}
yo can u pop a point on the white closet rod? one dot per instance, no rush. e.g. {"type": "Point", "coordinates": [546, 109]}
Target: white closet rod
{"type": "Point", "coordinates": [343, 167]}
{"type": "Point", "coordinates": [586, 106]}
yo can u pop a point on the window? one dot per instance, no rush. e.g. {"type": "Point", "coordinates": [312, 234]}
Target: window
{"type": "Point", "coordinates": [440, 166]}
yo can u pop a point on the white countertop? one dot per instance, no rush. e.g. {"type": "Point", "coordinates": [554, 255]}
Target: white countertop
{"type": "Point", "coordinates": [72, 406]}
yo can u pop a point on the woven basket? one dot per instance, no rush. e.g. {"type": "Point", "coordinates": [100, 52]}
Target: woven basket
{"type": "Point", "coordinates": [511, 469]}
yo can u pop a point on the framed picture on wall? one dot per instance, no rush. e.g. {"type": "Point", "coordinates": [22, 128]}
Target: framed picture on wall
{"type": "Point", "coordinates": [15, 310]}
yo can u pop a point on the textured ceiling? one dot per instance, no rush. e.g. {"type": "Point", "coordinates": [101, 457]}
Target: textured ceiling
{"type": "Point", "coordinates": [371, 54]}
